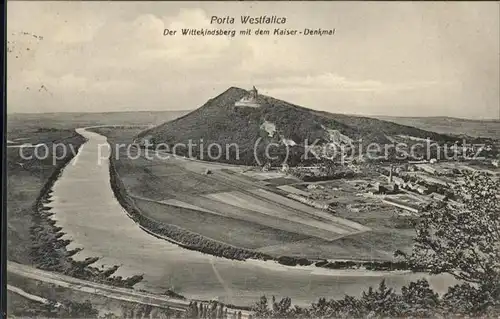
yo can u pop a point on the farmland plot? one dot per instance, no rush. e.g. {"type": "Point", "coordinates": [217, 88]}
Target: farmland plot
{"type": "Point", "coordinates": [241, 200]}
{"type": "Point", "coordinates": [231, 231]}
{"type": "Point", "coordinates": [224, 205]}
{"type": "Point", "coordinates": [259, 217]}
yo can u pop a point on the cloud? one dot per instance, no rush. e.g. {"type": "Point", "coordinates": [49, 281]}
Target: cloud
{"type": "Point", "coordinates": [113, 55]}
{"type": "Point", "coordinates": [190, 51]}
{"type": "Point", "coordinates": [275, 55]}
{"type": "Point", "coordinates": [328, 81]}
{"type": "Point", "coordinates": [331, 82]}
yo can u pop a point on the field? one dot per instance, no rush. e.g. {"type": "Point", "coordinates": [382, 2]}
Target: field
{"type": "Point", "coordinates": [449, 125]}
{"type": "Point", "coordinates": [223, 197]}
{"type": "Point", "coordinates": [246, 208]}
{"type": "Point", "coordinates": [373, 245]}
{"type": "Point", "coordinates": [73, 120]}
{"type": "Point", "coordinates": [25, 179]}
{"type": "Point", "coordinates": [389, 229]}
{"type": "Point", "coordinates": [241, 233]}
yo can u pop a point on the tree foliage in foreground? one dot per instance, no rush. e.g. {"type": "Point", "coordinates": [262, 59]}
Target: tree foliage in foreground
{"type": "Point", "coordinates": [463, 239]}
{"type": "Point", "coordinates": [460, 238]}
{"type": "Point", "coordinates": [416, 300]}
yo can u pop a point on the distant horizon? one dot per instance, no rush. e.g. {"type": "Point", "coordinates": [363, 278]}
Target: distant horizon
{"type": "Point", "coordinates": [405, 59]}
{"type": "Point", "coordinates": [190, 110]}
{"type": "Point", "coordinates": [236, 87]}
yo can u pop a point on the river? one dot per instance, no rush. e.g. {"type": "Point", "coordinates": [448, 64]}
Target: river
{"type": "Point", "coordinates": [84, 206]}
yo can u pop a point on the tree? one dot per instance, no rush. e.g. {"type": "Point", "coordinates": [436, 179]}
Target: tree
{"type": "Point", "coordinates": [70, 309]}
{"type": "Point", "coordinates": [282, 309]}
{"type": "Point", "coordinates": [220, 312]}
{"type": "Point", "coordinates": [349, 307]}
{"type": "Point", "coordinates": [321, 309]}
{"type": "Point", "coordinates": [381, 302]}
{"type": "Point", "coordinates": [419, 300]}
{"type": "Point", "coordinates": [166, 313]}
{"type": "Point", "coordinates": [463, 239]}
{"type": "Point", "coordinates": [468, 300]}
{"type": "Point", "coordinates": [110, 315]}
{"type": "Point", "coordinates": [192, 311]}
{"type": "Point", "coordinates": [261, 309]}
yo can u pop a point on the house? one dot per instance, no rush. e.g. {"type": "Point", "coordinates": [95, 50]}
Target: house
{"type": "Point", "coordinates": [417, 162]}
{"type": "Point", "coordinates": [399, 181]}
{"type": "Point", "coordinates": [439, 197]}
{"type": "Point", "coordinates": [412, 186]}
{"type": "Point", "coordinates": [447, 172]}
{"type": "Point", "coordinates": [332, 207]}
{"type": "Point", "coordinates": [467, 168]}
{"type": "Point", "coordinates": [266, 167]}
{"type": "Point", "coordinates": [285, 168]}
{"type": "Point", "coordinates": [400, 204]}
{"type": "Point", "coordinates": [427, 168]}
{"type": "Point", "coordinates": [412, 168]}
{"type": "Point", "coordinates": [387, 189]}
{"type": "Point", "coordinates": [494, 163]}
{"type": "Point", "coordinates": [422, 189]}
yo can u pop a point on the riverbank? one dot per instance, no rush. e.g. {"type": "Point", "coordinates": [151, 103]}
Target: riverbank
{"type": "Point", "coordinates": [193, 241]}
{"type": "Point", "coordinates": [48, 249]}
{"type": "Point", "coordinates": [105, 298]}
{"type": "Point", "coordinates": [26, 178]}
{"type": "Point", "coordinates": [85, 206]}
{"type": "Point", "coordinates": [172, 233]}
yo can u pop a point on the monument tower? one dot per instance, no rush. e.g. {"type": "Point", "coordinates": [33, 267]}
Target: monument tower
{"type": "Point", "coordinates": [249, 100]}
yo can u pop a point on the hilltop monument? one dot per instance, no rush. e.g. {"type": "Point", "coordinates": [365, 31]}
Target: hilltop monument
{"type": "Point", "coordinates": [249, 100]}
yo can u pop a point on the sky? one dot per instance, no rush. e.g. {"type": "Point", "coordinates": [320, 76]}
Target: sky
{"type": "Point", "coordinates": [393, 58]}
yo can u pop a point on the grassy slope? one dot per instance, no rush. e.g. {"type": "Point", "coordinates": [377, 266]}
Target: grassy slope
{"type": "Point", "coordinates": [33, 237]}
{"type": "Point", "coordinates": [22, 307]}
{"type": "Point", "coordinates": [220, 122]}
{"type": "Point", "coordinates": [233, 231]}
{"type": "Point", "coordinates": [23, 188]}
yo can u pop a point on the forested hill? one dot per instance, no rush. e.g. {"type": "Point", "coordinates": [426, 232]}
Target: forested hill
{"type": "Point", "coordinates": [220, 121]}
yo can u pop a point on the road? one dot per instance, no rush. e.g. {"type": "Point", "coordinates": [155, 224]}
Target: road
{"type": "Point", "coordinates": [117, 293]}
{"type": "Point", "coordinates": [29, 296]}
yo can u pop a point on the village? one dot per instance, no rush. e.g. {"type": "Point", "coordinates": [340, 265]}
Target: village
{"type": "Point", "coordinates": [409, 187]}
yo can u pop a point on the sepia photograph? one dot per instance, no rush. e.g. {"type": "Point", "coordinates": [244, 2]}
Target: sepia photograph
{"type": "Point", "coordinates": [247, 159]}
